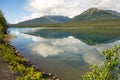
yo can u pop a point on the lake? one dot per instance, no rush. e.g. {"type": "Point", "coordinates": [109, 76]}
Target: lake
{"type": "Point", "coordinates": [65, 52]}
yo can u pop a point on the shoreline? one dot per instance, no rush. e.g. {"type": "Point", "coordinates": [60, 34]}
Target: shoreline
{"type": "Point", "coordinates": [7, 38]}
{"type": "Point", "coordinates": [28, 63]}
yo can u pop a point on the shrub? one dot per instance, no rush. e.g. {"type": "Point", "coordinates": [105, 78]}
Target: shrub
{"type": "Point", "coordinates": [110, 69]}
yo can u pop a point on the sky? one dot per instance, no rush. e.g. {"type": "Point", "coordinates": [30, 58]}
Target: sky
{"type": "Point", "coordinates": [20, 10]}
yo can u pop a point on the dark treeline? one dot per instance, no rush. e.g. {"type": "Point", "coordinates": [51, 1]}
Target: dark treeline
{"type": "Point", "coordinates": [3, 24]}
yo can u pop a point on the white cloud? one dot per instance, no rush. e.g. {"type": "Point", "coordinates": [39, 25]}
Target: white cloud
{"type": "Point", "coordinates": [54, 7]}
{"type": "Point", "coordinates": [69, 8]}
{"type": "Point", "coordinates": [109, 4]}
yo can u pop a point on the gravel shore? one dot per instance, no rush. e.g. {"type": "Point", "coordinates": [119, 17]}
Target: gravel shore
{"type": "Point", "coordinates": [5, 72]}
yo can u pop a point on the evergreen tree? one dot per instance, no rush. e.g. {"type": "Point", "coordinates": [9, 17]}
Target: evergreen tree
{"type": "Point", "coordinates": [3, 24]}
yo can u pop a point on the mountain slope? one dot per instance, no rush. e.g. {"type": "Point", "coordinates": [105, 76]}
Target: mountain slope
{"type": "Point", "coordinates": [92, 17]}
{"type": "Point", "coordinates": [46, 20]}
{"type": "Point", "coordinates": [95, 14]}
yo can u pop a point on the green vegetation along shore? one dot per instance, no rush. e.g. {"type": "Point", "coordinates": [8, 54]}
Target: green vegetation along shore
{"type": "Point", "coordinates": [88, 24]}
{"type": "Point", "coordinates": [110, 70]}
{"type": "Point", "coordinates": [19, 64]}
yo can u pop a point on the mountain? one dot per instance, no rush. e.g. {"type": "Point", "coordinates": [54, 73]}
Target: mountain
{"type": "Point", "coordinates": [46, 20]}
{"type": "Point", "coordinates": [113, 12]}
{"type": "Point", "coordinates": [95, 14]}
{"type": "Point", "coordinates": [91, 17]}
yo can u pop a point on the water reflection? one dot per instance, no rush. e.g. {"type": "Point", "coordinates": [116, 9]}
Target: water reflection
{"type": "Point", "coordinates": [65, 52]}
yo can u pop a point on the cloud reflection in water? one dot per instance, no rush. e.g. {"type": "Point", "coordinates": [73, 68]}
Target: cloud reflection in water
{"type": "Point", "coordinates": [70, 47]}
{"type": "Point", "coordinates": [61, 47]}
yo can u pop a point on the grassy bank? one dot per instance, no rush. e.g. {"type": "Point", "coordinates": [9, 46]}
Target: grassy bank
{"type": "Point", "coordinates": [19, 64]}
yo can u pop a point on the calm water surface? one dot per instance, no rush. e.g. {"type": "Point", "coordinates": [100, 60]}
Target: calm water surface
{"type": "Point", "coordinates": [65, 52]}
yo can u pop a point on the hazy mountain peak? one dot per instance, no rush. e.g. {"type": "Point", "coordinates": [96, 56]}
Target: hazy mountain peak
{"type": "Point", "coordinates": [95, 14]}
{"type": "Point", "coordinates": [91, 10]}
